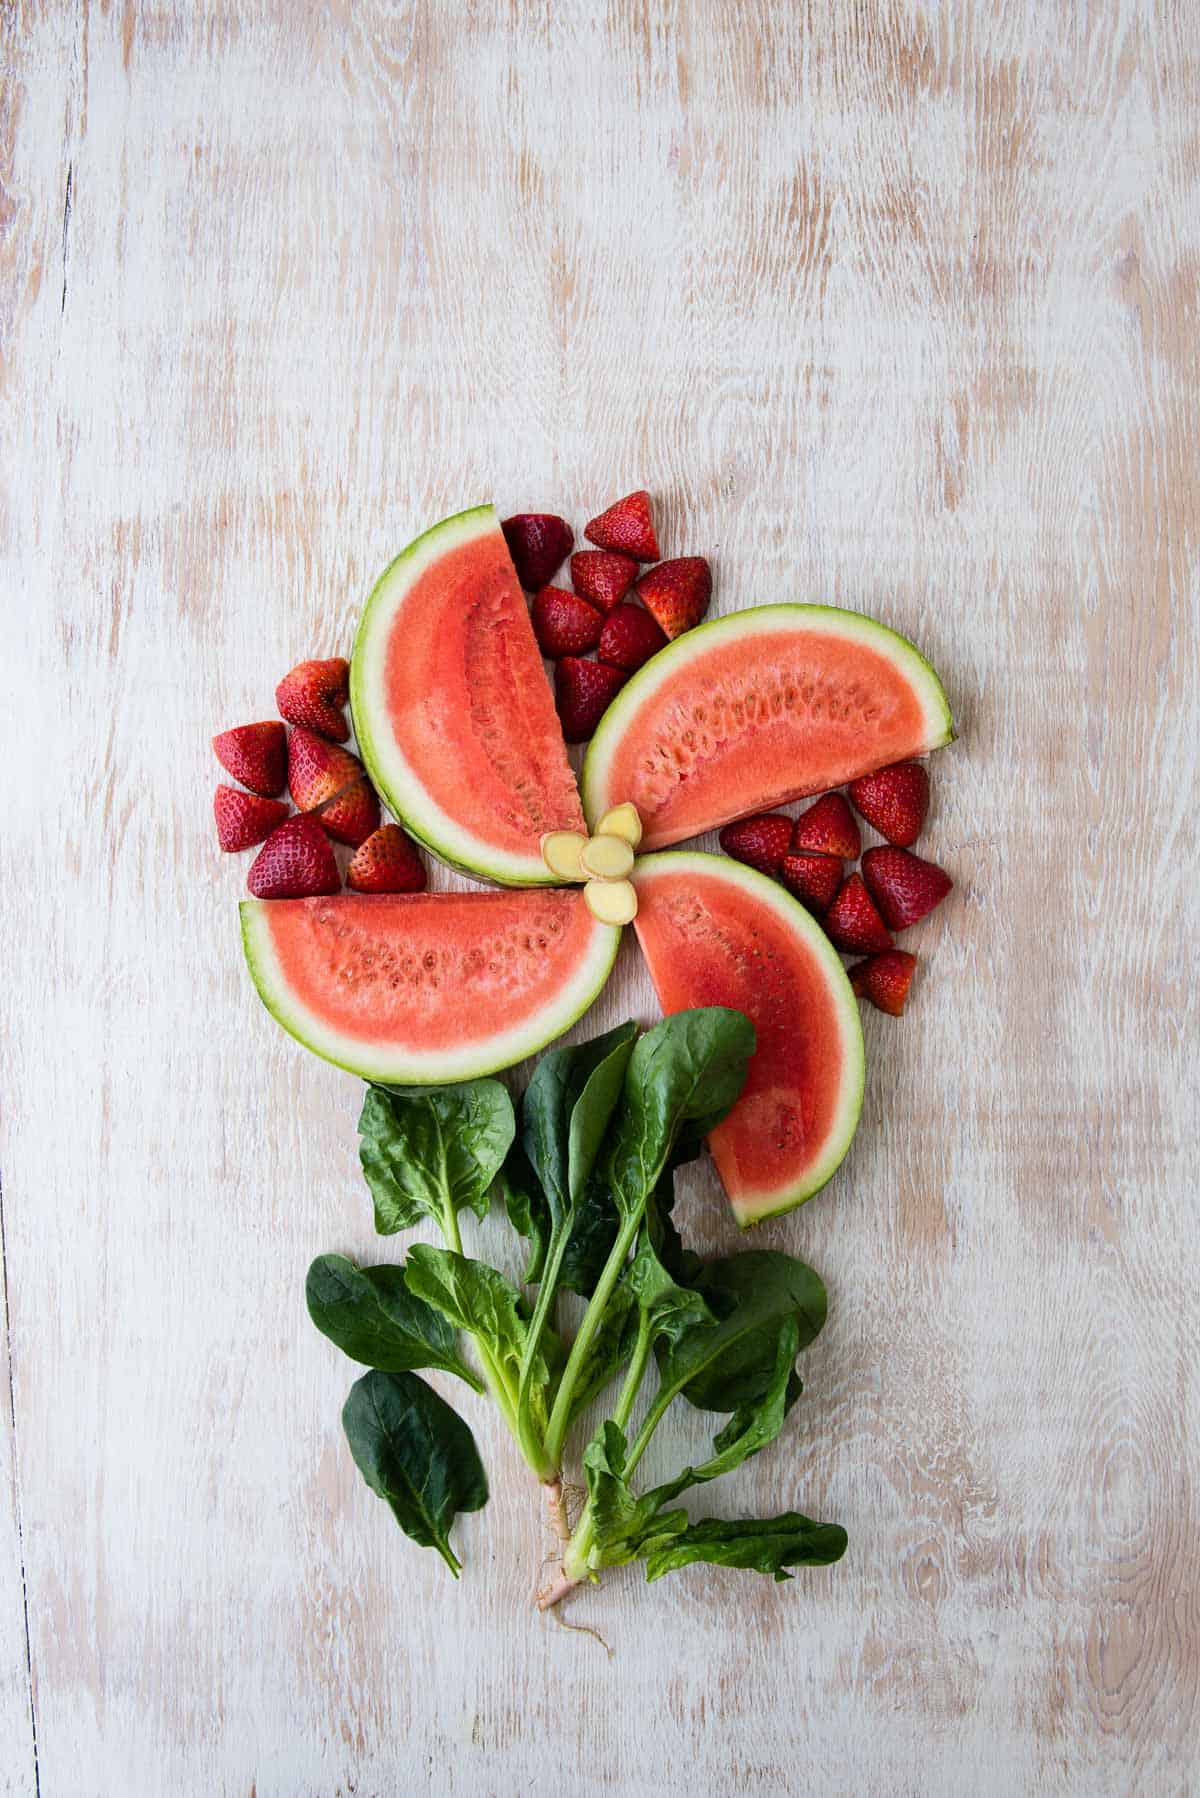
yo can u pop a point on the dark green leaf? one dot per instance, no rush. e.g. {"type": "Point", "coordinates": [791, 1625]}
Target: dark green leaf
{"type": "Point", "coordinates": [428, 1152]}
{"type": "Point", "coordinates": [528, 1213]}
{"type": "Point", "coordinates": [585, 1078]}
{"type": "Point", "coordinates": [765, 1545]}
{"type": "Point", "coordinates": [478, 1299]}
{"type": "Point", "coordinates": [732, 1363]}
{"type": "Point", "coordinates": [593, 1231]}
{"type": "Point", "coordinates": [417, 1453]}
{"type": "Point", "coordinates": [670, 1307]}
{"type": "Point", "coordinates": [372, 1316]}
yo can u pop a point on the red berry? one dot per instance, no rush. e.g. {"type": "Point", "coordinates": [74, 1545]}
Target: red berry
{"type": "Point", "coordinates": [853, 924]}
{"type": "Point", "coordinates": [295, 862]}
{"type": "Point", "coordinates": [582, 693]}
{"type": "Point", "coordinates": [884, 979]}
{"type": "Point", "coordinates": [903, 886]}
{"type": "Point", "coordinates": [313, 694]}
{"type": "Point", "coordinates": [352, 817]}
{"type": "Point", "coordinates": [564, 624]}
{"type": "Point", "coordinates": [895, 800]}
{"type": "Point", "coordinates": [626, 527]}
{"type": "Point", "coordinates": [629, 638]}
{"type": "Point", "coordinates": [828, 828]}
{"type": "Point", "coordinates": [387, 862]}
{"type": "Point", "coordinates": [677, 593]}
{"type": "Point", "coordinates": [813, 879]}
{"type": "Point", "coordinates": [602, 577]}
{"type": "Point", "coordinates": [539, 543]}
{"type": "Point", "coordinates": [255, 754]}
{"type": "Point", "coordinates": [761, 842]}
{"type": "Point", "coordinates": [244, 819]}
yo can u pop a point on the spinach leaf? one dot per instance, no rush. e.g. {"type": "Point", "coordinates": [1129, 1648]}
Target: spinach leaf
{"type": "Point", "coordinates": [594, 1229]}
{"type": "Point", "coordinates": [417, 1454]}
{"type": "Point", "coordinates": [670, 1308]}
{"type": "Point", "coordinates": [429, 1152]}
{"type": "Point", "coordinates": [566, 1109]}
{"type": "Point", "coordinates": [608, 1350]}
{"type": "Point", "coordinates": [724, 1366]}
{"type": "Point", "coordinates": [478, 1299]}
{"type": "Point", "coordinates": [372, 1317]}
{"type": "Point", "coordinates": [765, 1545]}
{"type": "Point", "coordinates": [621, 1527]}
{"type": "Point", "coordinates": [690, 1067]}
{"type": "Point", "coordinates": [524, 1201]}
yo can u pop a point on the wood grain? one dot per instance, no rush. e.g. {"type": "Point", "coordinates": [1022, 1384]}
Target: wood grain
{"type": "Point", "coordinates": [890, 306]}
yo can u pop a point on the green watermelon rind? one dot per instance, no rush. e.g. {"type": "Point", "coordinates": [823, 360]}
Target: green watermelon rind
{"type": "Point", "coordinates": [694, 644]}
{"type": "Point", "coordinates": [403, 793]}
{"type": "Point", "coordinates": [749, 1210]}
{"type": "Point", "coordinates": [501, 1049]}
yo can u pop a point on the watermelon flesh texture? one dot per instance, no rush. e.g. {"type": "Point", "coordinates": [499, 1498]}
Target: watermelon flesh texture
{"type": "Point", "coordinates": [716, 933]}
{"type": "Point", "coordinates": [419, 989]}
{"type": "Point", "coordinates": [757, 709]}
{"type": "Point", "coordinates": [452, 708]}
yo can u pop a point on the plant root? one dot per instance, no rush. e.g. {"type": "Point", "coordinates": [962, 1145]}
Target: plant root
{"type": "Point", "coordinates": [582, 1629]}
{"type": "Point", "coordinates": [559, 1588]}
{"type": "Point", "coordinates": [552, 1494]}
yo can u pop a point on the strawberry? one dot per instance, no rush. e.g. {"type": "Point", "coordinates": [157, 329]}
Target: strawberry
{"type": "Point", "coordinates": [564, 624]}
{"type": "Point", "coordinates": [903, 886]}
{"type": "Point", "coordinates": [761, 842]}
{"type": "Point", "coordinates": [387, 863]}
{"type": "Point", "coordinates": [895, 800]}
{"type": "Point", "coordinates": [318, 771]}
{"type": "Point", "coordinates": [295, 862]}
{"type": "Point", "coordinates": [629, 638]}
{"type": "Point", "coordinates": [828, 828]}
{"type": "Point", "coordinates": [602, 577]}
{"type": "Point", "coordinates": [255, 754]}
{"type": "Point", "coordinates": [852, 923]}
{"type": "Point", "coordinates": [582, 691]}
{"type": "Point", "coordinates": [812, 879]}
{"type": "Point", "coordinates": [313, 694]}
{"type": "Point", "coordinates": [352, 817]}
{"type": "Point", "coordinates": [677, 593]}
{"type": "Point", "coordinates": [626, 527]}
{"type": "Point", "coordinates": [244, 819]}
{"type": "Point", "coordinates": [884, 979]}
{"type": "Point", "coordinates": [539, 543]}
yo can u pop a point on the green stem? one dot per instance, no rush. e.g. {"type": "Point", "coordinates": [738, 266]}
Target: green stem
{"type": "Point", "coordinates": [575, 1555]}
{"type": "Point", "coordinates": [650, 1423]}
{"type": "Point", "coordinates": [531, 1444]}
{"type": "Point", "coordinates": [637, 1371]}
{"type": "Point", "coordinates": [560, 1416]}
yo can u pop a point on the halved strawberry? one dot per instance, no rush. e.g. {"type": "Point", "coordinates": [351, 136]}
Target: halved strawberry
{"type": "Point", "coordinates": [244, 819]}
{"type": "Point", "coordinates": [602, 577]}
{"type": "Point", "coordinates": [295, 862]}
{"type": "Point", "coordinates": [582, 693]}
{"type": "Point", "coordinates": [353, 816]}
{"type": "Point", "coordinates": [539, 543]}
{"type": "Point", "coordinates": [255, 754]}
{"type": "Point", "coordinates": [761, 842]}
{"type": "Point", "coordinates": [626, 527]}
{"type": "Point", "coordinates": [828, 828]}
{"type": "Point", "coordinates": [629, 638]}
{"type": "Point", "coordinates": [903, 886]}
{"type": "Point", "coordinates": [313, 694]}
{"type": "Point", "coordinates": [852, 923]}
{"type": "Point", "coordinates": [387, 862]}
{"type": "Point", "coordinates": [564, 624]}
{"type": "Point", "coordinates": [677, 592]}
{"type": "Point", "coordinates": [812, 879]}
{"type": "Point", "coordinates": [895, 800]}
{"type": "Point", "coordinates": [884, 979]}
{"type": "Point", "coordinates": [318, 771]}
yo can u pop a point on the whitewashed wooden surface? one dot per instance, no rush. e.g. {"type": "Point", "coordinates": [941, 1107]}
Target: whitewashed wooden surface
{"type": "Point", "coordinates": [889, 306]}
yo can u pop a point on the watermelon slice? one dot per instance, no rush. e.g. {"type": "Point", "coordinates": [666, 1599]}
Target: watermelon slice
{"type": "Point", "coordinates": [416, 989]}
{"type": "Point", "coordinates": [716, 933]}
{"type": "Point", "coordinates": [452, 709]}
{"type": "Point", "coordinates": [751, 711]}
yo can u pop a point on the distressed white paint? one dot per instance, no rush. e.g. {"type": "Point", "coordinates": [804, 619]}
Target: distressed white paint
{"type": "Point", "coordinates": [891, 308]}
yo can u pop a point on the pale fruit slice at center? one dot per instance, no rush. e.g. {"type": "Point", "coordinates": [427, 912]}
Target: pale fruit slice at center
{"type": "Point", "coordinates": [606, 858]}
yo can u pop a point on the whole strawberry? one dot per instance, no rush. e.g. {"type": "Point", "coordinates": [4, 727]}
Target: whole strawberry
{"type": "Point", "coordinates": [244, 819]}
{"type": "Point", "coordinates": [761, 842]}
{"type": "Point", "coordinates": [895, 800]}
{"type": "Point", "coordinates": [314, 694]}
{"type": "Point", "coordinates": [295, 862]}
{"type": "Point", "coordinates": [387, 862]}
{"type": "Point", "coordinates": [602, 577]}
{"type": "Point", "coordinates": [255, 754]}
{"type": "Point", "coordinates": [812, 879]}
{"type": "Point", "coordinates": [852, 924]}
{"type": "Point", "coordinates": [828, 828]}
{"type": "Point", "coordinates": [884, 980]}
{"type": "Point", "coordinates": [677, 592]}
{"type": "Point", "coordinates": [582, 693]}
{"type": "Point", "coordinates": [629, 638]}
{"type": "Point", "coordinates": [903, 886]}
{"type": "Point", "coordinates": [539, 543]}
{"type": "Point", "coordinates": [564, 624]}
{"type": "Point", "coordinates": [627, 528]}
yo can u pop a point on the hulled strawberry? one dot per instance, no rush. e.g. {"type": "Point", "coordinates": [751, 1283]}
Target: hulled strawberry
{"type": "Point", "coordinates": [318, 771]}
{"type": "Point", "coordinates": [828, 828]}
{"type": "Point", "coordinates": [812, 879]}
{"type": "Point", "coordinates": [894, 800]}
{"type": "Point", "coordinates": [602, 577]}
{"type": "Point", "coordinates": [677, 593]}
{"type": "Point", "coordinates": [903, 886]}
{"type": "Point", "coordinates": [244, 819]}
{"type": "Point", "coordinates": [314, 694]}
{"type": "Point", "coordinates": [761, 842]}
{"type": "Point", "coordinates": [295, 862]}
{"type": "Point", "coordinates": [629, 638]}
{"type": "Point", "coordinates": [852, 924]}
{"type": "Point", "coordinates": [564, 624]}
{"type": "Point", "coordinates": [582, 693]}
{"type": "Point", "coordinates": [255, 754]}
{"type": "Point", "coordinates": [884, 979]}
{"type": "Point", "coordinates": [539, 543]}
{"type": "Point", "coordinates": [388, 862]}
{"type": "Point", "coordinates": [353, 816]}
{"type": "Point", "coordinates": [626, 527]}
